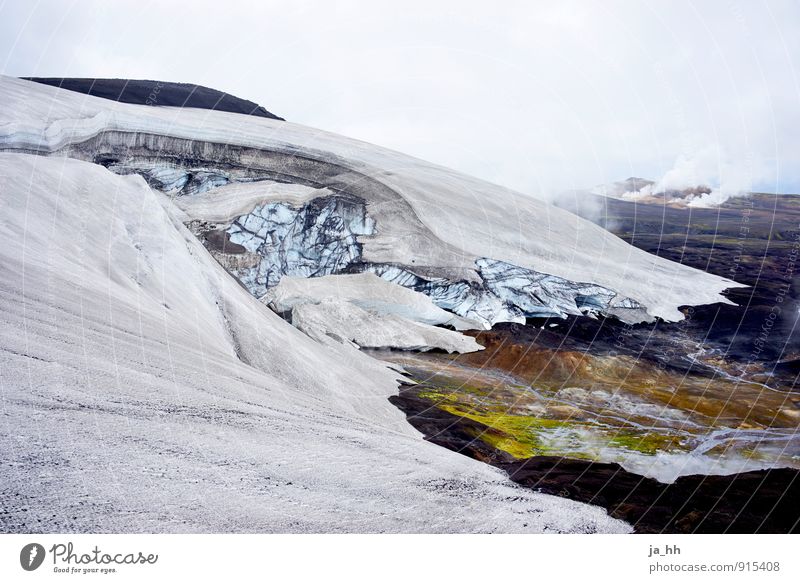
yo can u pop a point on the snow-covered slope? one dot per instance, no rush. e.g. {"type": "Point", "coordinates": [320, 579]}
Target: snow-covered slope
{"type": "Point", "coordinates": [343, 321]}
{"type": "Point", "coordinates": [367, 291]}
{"type": "Point", "coordinates": [369, 311]}
{"type": "Point", "coordinates": [143, 390]}
{"type": "Point", "coordinates": [478, 250]}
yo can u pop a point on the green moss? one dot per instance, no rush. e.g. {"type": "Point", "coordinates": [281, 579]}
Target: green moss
{"type": "Point", "coordinates": [438, 396]}
{"type": "Point", "coordinates": [522, 435]}
{"type": "Point", "coordinates": [452, 392]}
{"type": "Point", "coordinates": [515, 435]}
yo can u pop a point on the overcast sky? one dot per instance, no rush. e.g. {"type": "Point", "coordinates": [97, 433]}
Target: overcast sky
{"type": "Point", "coordinates": [539, 96]}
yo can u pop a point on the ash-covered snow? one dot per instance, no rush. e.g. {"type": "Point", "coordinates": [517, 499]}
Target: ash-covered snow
{"type": "Point", "coordinates": [144, 390]}
{"type": "Point", "coordinates": [369, 312]}
{"type": "Point", "coordinates": [366, 291]}
{"type": "Point", "coordinates": [332, 320]}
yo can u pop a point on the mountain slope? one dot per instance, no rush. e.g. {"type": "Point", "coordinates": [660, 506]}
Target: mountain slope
{"type": "Point", "coordinates": [144, 390]}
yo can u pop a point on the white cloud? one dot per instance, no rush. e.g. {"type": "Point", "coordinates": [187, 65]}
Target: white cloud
{"type": "Point", "coordinates": [540, 96]}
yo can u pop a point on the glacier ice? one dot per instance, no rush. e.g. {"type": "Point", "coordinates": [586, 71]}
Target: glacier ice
{"type": "Point", "coordinates": [508, 293]}
{"type": "Point", "coordinates": [470, 300]}
{"type": "Point", "coordinates": [178, 177]}
{"type": "Point", "coordinates": [317, 238]}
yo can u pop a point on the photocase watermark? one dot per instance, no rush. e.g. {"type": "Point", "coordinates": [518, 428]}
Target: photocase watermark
{"type": "Point", "coordinates": [621, 339]}
{"type": "Point", "coordinates": [744, 232]}
{"type": "Point", "coordinates": [65, 559]}
{"type": "Point", "coordinates": [787, 280]}
{"type": "Point", "coordinates": [31, 556]}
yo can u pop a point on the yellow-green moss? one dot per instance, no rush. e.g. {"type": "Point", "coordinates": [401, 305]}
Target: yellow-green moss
{"type": "Point", "coordinates": [521, 435]}
{"type": "Point", "coordinates": [517, 435]}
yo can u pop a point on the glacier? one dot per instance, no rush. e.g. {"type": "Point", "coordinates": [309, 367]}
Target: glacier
{"type": "Point", "coordinates": [431, 222]}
